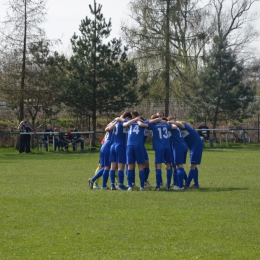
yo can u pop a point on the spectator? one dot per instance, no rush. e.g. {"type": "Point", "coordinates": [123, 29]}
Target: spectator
{"type": "Point", "coordinates": [205, 133]}
{"type": "Point", "coordinates": [24, 127]}
{"type": "Point", "coordinates": [75, 138]}
{"type": "Point", "coordinates": [48, 138]}
{"type": "Point", "coordinates": [62, 140]}
{"type": "Point", "coordinates": [26, 140]}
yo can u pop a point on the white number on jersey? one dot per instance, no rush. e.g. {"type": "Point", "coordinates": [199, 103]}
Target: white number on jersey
{"type": "Point", "coordinates": [184, 133]}
{"type": "Point", "coordinates": [163, 133]}
{"type": "Point", "coordinates": [135, 129]}
{"type": "Point", "coordinates": [116, 129]}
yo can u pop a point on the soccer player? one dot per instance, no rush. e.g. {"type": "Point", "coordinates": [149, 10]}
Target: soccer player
{"type": "Point", "coordinates": [161, 146]}
{"type": "Point", "coordinates": [193, 141]}
{"type": "Point", "coordinates": [118, 152]}
{"type": "Point", "coordinates": [104, 158]}
{"type": "Point", "coordinates": [146, 165]}
{"type": "Point", "coordinates": [135, 152]}
{"type": "Point", "coordinates": [179, 150]}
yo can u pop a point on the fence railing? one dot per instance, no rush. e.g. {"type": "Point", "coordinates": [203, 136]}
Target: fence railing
{"type": "Point", "coordinates": [220, 132]}
{"type": "Point", "coordinates": [231, 134]}
{"type": "Point", "coordinates": [52, 134]}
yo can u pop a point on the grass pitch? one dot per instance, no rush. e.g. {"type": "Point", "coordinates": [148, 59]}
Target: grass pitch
{"type": "Point", "coordinates": [47, 210]}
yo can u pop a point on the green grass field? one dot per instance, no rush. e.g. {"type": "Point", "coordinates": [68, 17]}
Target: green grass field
{"type": "Point", "coordinates": [47, 210]}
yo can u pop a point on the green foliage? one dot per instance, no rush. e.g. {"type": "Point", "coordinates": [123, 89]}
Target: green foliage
{"type": "Point", "coordinates": [221, 93]}
{"type": "Point", "coordinates": [101, 78]}
{"type": "Point", "coordinates": [48, 212]}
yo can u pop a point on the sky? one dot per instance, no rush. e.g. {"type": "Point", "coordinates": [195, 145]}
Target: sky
{"type": "Point", "coordinates": [64, 17]}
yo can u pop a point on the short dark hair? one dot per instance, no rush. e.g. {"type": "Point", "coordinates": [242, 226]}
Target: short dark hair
{"type": "Point", "coordinates": [71, 126]}
{"type": "Point", "coordinates": [127, 114]}
{"type": "Point", "coordinates": [134, 113]}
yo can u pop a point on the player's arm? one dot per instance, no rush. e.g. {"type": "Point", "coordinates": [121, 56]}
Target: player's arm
{"type": "Point", "coordinates": [174, 127]}
{"type": "Point", "coordinates": [178, 124]}
{"type": "Point", "coordinates": [157, 120]}
{"type": "Point", "coordinates": [140, 123]}
{"type": "Point", "coordinates": [110, 126]}
{"type": "Point", "coordinates": [130, 122]}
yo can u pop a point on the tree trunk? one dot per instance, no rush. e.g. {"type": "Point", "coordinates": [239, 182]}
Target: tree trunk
{"type": "Point", "coordinates": [167, 60]}
{"type": "Point", "coordinates": [21, 106]}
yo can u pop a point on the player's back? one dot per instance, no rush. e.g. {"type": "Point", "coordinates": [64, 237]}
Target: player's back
{"type": "Point", "coordinates": [160, 135]}
{"type": "Point", "coordinates": [135, 135]}
{"type": "Point", "coordinates": [119, 134]}
{"type": "Point", "coordinates": [191, 137]}
{"type": "Point", "coordinates": [177, 139]}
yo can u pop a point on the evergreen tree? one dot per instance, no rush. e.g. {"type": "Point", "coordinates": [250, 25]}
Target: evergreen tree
{"type": "Point", "coordinates": [221, 93]}
{"type": "Point", "coordinates": [101, 78]}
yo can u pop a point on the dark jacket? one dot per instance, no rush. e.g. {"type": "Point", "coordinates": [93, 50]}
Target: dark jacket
{"type": "Point", "coordinates": [204, 131]}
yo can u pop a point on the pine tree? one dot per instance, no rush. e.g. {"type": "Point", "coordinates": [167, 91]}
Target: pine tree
{"type": "Point", "coordinates": [101, 78]}
{"type": "Point", "coordinates": [221, 93]}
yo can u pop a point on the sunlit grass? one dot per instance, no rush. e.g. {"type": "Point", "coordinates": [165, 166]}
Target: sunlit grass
{"type": "Point", "coordinates": [48, 211]}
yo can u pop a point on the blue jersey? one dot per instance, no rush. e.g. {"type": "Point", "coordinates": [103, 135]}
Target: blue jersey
{"type": "Point", "coordinates": [160, 135]}
{"type": "Point", "coordinates": [191, 137]}
{"type": "Point", "coordinates": [108, 141]}
{"type": "Point", "coordinates": [135, 135]}
{"type": "Point", "coordinates": [177, 139]}
{"type": "Point", "coordinates": [146, 131]}
{"type": "Point", "coordinates": [119, 134]}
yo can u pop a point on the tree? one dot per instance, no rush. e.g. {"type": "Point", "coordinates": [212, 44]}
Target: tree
{"type": "Point", "coordinates": [101, 78]}
{"type": "Point", "coordinates": [44, 81]}
{"type": "Point", "coordinates": [221, 92]}
{"type": "Point", "coordinates": [167, 37]}
{"type": "Point", "coordinates": [21, 28]}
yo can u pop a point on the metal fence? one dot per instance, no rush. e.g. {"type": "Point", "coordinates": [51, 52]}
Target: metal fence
{"type": "Point", "coordinates": [221, 135]}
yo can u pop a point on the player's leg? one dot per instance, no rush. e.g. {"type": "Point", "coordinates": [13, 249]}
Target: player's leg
{"type": "Point", "coordinates": [146, 168]}
{"type": "Point", "coordinates": [130, 160]}
{"type": "Point", "coordinates": [195, 159]}
{"type": "Point", "coordinates": [140, 159]}
{"type": "Point", "coordinates": [121, 160]}
{"type": "Point", "coordinates": [180, 154]}
{"type": "Point", "coordinates": [168, 159]}
{"type": "Point", "coordinates": [113, 167]}
{"type": "Point", "coordinates": [106, 163]}
{"type": "Point", "coordinates": [159, 159]}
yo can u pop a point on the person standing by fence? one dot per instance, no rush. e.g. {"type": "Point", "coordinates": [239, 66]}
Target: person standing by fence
{"type": "Point", "coordinates": [24, 139]}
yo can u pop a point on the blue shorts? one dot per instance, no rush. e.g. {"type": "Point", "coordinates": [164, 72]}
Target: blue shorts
{"type": "Point", "coordinates": [179, 155]}
{"type": "Point", "coordinates": [196, 153]}
{"type": "Point", "coordinates": [146, 155]}
{"type": "Point", "coordinates": [104, 157]}
{"type": "Point", "coordinates": [135, 154]}
{"type": "Point", "coordinates": [118, 153]}
{"type": "Point", "coordinates": [162, 155]}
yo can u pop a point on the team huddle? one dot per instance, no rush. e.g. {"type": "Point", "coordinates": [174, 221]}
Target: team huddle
{"type": "Point", "coordinates": [124, 145]}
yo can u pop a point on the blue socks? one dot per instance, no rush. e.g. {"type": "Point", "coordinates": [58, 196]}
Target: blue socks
{"type": "Point", "coordinates": [175, 178]}
{"type": "Point", "coordinates": [180, 174]}
{"type": "Point", "coordinates": [158, 177]}
{"type": "Point", "coordinates": [142, 177]}
{"type": "Point", "coordinates": [196, 177]}
{"type": "Point", "coordinates": [112, 178]}
{"type": "Point", "coordinates": [190, 177]}
{"type": "Point", "coordinates": [120, 175]}
{"type": "Point", "coordinates": [130, 178]}
{"type": "Point", "coordinates": [98, 174]}
{"type": "Point", "coordinates": [169, 177]}
{"type": "Point", "coordinates": [146, 174]}
{"type": "Point", "coordinates": [105, 178]}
